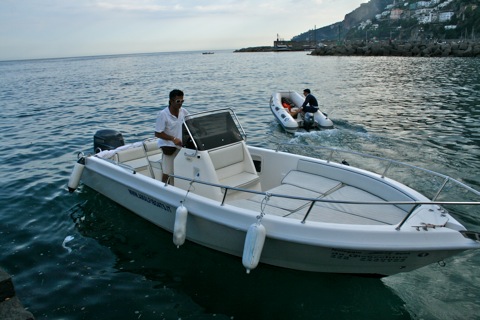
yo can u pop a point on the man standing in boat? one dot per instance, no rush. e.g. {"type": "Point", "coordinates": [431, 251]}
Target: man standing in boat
{"type": "Point", "coordinates": [168, 127]}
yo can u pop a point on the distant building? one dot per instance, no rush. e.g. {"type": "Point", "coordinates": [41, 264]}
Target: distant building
{"type": "Point", "coordinates": [445, 16]}
{"type": "Point", "coordinates": [396, 14]}
{"type": "Point", "coordinates": [444, 4]}
{"type": "Point", "coordinates": [364, 24]}
{"type": "Point", "coordinates": [423, 4]}
{"type": "Point", "coordinates": [284, 45]}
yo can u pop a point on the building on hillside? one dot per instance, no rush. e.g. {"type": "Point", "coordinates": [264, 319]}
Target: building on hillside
{"type": "Point", "coordinates": [396, 14]}
{"type": "Point", "coordinates": [423, 4]}
{"type": "Point", "coordinates": [445, 16]}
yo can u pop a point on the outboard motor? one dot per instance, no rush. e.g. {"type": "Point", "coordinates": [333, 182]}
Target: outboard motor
{"type": "Point", "coordinates": [107, 139]}
{"type": "Point", "coordinates": [309, 121]}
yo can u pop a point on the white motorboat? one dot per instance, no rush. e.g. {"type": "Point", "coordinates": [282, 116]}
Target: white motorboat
{"type": "Point", "coordinates": [283, 208]}
{"type": "Point", "coordinates": [291, 123]}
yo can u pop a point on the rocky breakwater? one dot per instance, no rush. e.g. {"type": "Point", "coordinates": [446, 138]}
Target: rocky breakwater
{"type": "Point", "coordinates": [256, 49]}
{"type": "Point", "coordinates": [405, 49]}
{"type": "Point", "coordinates": [10, 306]}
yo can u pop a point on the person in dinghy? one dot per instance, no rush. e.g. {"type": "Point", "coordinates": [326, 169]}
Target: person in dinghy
{"type": "Point", "coordinates": [310, 104]}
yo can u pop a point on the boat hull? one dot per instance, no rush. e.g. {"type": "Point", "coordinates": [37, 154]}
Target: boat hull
{"type": "Point", "coordinates": [309, 247]}
{"type": "Point", "coordinates": [281, 208]}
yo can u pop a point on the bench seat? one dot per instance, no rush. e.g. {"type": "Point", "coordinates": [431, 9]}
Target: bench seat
{"type": "Point", "coordinates": [136, 156]}
{"type": "Point", "coordinates": [287, 203]}
{"type": "Point", "coordinates": [240, 180]}
{"type": "Point", "coordinates": [310, 185]}
{"type": "Point", "coordinates": [312, 182]}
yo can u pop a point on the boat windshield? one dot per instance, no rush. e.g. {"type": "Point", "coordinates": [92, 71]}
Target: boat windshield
{"type": "Point", "coordinates": [210, 131]}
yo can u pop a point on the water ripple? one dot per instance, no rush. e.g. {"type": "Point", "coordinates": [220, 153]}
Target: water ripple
{"type": "Point", "coordinates": [421, 111]}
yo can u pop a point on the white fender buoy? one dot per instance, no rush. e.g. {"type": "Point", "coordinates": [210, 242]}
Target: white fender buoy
{"type": "Point", "coordinates": [76, 175]}
{"type": "Point", "coordinates": [252, 250]}
{"type": "Point", "coordinates": [180, 227]}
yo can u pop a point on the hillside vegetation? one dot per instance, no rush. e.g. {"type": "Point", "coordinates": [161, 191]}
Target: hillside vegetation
{"type": "Point", "coordinates": [404, 20]}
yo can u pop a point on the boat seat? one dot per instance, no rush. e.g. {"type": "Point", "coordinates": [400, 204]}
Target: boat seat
{"type": "Point", "coordinates": [310, 181]}
{"type": "Point", "coordinates": [358, 180]}
{"type": "Point", "coordinates": [287, 203]}
{"type": "Point", "coordinates": [299, 184]}
{"type": "Point", "coordinates": [234, 166]}
{"type": "Point", "coordinates": [139, 157]}
{"type": "Point", "coordinates": [367, 214]}
{"type": "Point", "coordinates": [133, 157]}
{"type": "Point", "coordinates": [154, 157]}
{"type": "Point", "coordinates": [312, 185]}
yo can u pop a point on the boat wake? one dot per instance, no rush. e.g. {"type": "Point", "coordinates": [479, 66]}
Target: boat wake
{"type": "Point", "coordinates": [345, 125]}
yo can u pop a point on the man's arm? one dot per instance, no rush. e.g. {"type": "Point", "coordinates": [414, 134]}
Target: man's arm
{"type": "Point", "coordinates": [164, 136]}
{"type": "Point", "coordinates": [307, 100]}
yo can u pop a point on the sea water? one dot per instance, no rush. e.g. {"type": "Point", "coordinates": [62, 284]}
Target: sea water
{"type": "Point", "coordinates": [81, 256]}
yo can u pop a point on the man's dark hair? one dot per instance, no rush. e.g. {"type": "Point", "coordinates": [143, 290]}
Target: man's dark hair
{"type": "Point", "coordinates": [306, 90]}
{"type": "Point", "coordinates": [176, 93]}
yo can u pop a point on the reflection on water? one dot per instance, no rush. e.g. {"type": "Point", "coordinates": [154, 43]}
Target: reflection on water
{"type": "Point", "coordinates": [420, 111]}
{"type": "Point", "coordinates": [206, 276]}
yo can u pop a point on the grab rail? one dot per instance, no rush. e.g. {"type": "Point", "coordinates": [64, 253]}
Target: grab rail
{"type": "Point", "coordinates": [388, 166]}
{"type": "Point", "coordinates": [332, 151]}
{"type": "Point", "coordinates": [415, 204]}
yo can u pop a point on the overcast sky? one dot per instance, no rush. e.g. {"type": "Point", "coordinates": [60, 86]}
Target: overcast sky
{"type": "Point", "coordinates": [66, 28]}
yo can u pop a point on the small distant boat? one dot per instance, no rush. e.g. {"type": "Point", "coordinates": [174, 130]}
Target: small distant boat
{"type": "Point", "coordinates": [208, 52]}
{"type": "Point", "coordinates": [317, 120]}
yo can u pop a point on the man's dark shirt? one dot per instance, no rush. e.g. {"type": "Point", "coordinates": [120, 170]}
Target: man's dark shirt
{"type": "Point", "coordinates": [312, 102]}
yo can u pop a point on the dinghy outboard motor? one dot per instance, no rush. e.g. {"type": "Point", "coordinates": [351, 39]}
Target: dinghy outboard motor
{"type": "Point", "coordinates": [308, 121]}
{"type": "Point", "coordinates": [107, 139]}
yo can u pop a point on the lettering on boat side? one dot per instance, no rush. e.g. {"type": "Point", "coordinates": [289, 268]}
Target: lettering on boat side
{"type": "Point", "coordinates": [150, 200]}
{"type": "Point", "coordinates": [371, 256]}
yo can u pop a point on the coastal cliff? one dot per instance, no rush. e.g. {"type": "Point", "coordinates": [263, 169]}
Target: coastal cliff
{"type": "Point", "coordinates": [441, 20]}
{"type": "Point", "coordinates": [437, 28]}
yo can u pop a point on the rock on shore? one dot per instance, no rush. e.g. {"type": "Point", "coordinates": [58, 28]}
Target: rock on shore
{"type": "Point", "coordinates": [10, 306]}
{"type": "Point", "coordinates": [405, 49]}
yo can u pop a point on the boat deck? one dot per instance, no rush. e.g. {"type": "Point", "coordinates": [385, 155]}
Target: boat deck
{"type": "Point", "coordinates": [311, 185]}
{"type": "Point", "coordinates": [309, 180]}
